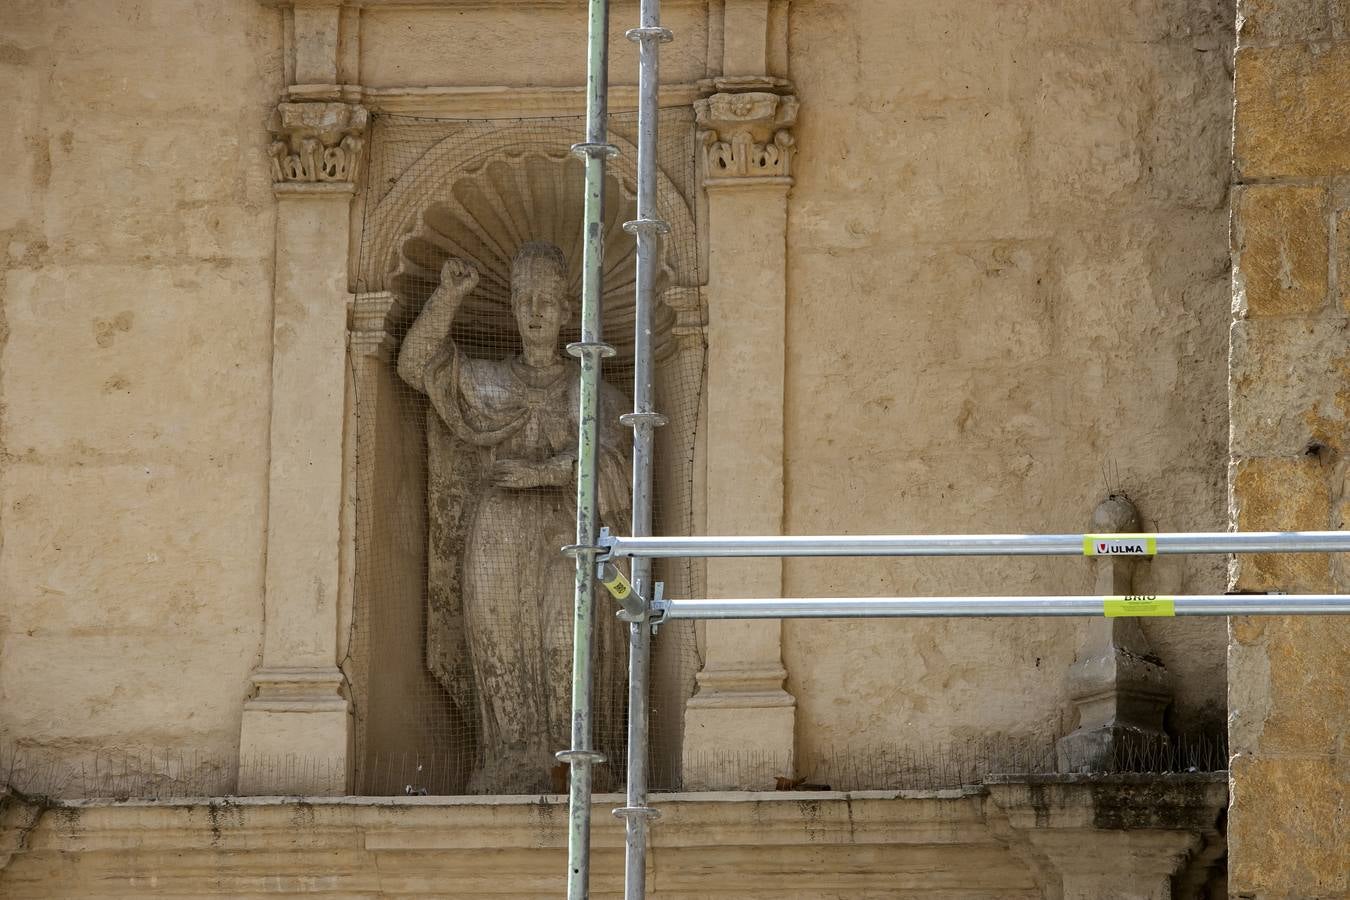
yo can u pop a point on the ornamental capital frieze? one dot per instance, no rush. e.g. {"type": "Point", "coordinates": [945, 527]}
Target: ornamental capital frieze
{"type": "Point", "coordinates": [317, 142]}
{"type": "Point", "coordinates": [746, 134]}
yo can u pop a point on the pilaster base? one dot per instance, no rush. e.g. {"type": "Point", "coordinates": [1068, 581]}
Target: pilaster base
{"type": "Point", "coordinates": [738, 740]}
{"type": "Point", "coordinates": [1108, 748]}
{"type": "Point", "coordinates": [296, 734]}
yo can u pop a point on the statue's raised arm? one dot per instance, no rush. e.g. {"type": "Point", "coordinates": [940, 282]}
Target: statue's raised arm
{"type": "Point", "coordinates": [432, 328]}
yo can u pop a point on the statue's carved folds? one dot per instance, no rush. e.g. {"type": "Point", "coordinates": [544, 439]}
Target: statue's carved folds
{"type": "Point", "coordinates": [501, 464]}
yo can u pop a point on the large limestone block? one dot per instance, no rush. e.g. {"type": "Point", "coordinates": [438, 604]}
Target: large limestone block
{"type": "Point", "coordinates": [155, 364]}
{"type": "Point", "coordinates": [1301, 666]}
{"type": "Point", "coordinates": [1086, 119]}
{"type": "Point", "coordinates": [1293, 112]}
{"type": "Point", "coordinates": [1289, 829]}
{"type": "Point", "coordinates": [1281, 402]}
{"type": "Point", "coordinates": [128, 623]}
{"type": "Point", "coordinates": [1280, 238]}
{"type": "Point", "coordinates": [140, 692]}
{"type": "Point", "coordinates": [1282, 494]}
{"type": "Point", "coordinates": [1262, 22]}
{"type": "Point", "coordinates": [1341, 260]}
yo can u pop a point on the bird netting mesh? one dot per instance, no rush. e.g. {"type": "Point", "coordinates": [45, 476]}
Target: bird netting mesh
{"type": "Point", "coordinates": [466, 433]}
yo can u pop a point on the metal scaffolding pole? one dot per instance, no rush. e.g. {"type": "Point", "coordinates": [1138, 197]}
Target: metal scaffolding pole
{"type": "Point", "coordinates": [984, 544]}
{"type": "Point", "coordinates": [590, 350]}
{"type": "Point", "coordinates": [648, 228]}
{"type": "Point", "coordinates": [959, 607]}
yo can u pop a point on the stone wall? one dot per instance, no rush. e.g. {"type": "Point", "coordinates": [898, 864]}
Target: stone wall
{"type": "Point", "coordinates": [1005, 295]}
{"type": "Point", "coordinates": [1288, 678]}
{"type": "Point", "coordinates": [1008, 293]}
{"type": "Point", "coordinates": [136, 213]}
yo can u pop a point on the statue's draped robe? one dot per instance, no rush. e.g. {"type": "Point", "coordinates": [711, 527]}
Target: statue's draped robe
{"type": "Point", "coordinates": [499, 634]}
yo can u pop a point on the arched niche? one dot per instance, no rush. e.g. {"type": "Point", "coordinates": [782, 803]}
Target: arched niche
{"type": "Point", "coordinates": [478, 195]}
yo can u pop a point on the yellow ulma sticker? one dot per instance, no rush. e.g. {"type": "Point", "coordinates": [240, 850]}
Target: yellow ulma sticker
{"type": "Point", "coordinates": [1114, 607]}
{"type": "Point", "coordinates": [1120, 544]}
{"type": "Point", "coordinates": [618, 585]}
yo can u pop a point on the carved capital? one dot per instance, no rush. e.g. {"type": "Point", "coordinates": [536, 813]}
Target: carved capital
{"type": "Point", "coordinates": [745, 135]}
{"type": "Point", "coordinates": [317, 142]}
{"type": "Point", "coordinates": [375, 317]}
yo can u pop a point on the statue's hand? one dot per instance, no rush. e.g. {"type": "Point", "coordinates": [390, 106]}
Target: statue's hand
{"type": "Point", "coordinates": [458, 276]}
{"type": "Point", "coordinates": [515, 474]}
{"type": "Point", "coordinates": [518, 475]}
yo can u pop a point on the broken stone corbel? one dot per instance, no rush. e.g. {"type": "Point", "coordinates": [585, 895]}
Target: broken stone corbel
{"type": "Point", "coordinates": [1111, 837]}
{"type": "Point", "coordinates": [1119, 687]}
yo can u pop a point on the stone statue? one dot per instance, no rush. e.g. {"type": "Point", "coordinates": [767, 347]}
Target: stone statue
{"type": "Point", "coordinates": [502, 437]}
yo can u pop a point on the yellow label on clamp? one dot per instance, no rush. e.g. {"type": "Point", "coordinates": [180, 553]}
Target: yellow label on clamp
{"type": "Point", "coordinates": [1120, 545]}
{"type": "Point", "coordinates": [1114, 607]}
{"type": "Point", "coordinates": [620, 588]}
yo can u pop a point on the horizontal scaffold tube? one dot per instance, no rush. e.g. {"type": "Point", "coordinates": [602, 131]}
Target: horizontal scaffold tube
{"type": "Point", "coordinates": [943, 607]}
{"type": "Point", "coordinates": [986, 544]}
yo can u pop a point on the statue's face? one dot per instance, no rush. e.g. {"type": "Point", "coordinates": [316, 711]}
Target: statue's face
{"type": "Point", "coordinates": [539, 301]}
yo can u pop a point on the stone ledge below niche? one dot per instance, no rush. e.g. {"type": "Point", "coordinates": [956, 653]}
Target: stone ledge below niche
{"type": "Point", "coordinates": [944, 843]}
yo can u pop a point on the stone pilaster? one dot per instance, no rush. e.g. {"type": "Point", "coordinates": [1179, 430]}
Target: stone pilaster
{"type": "Point", "coordinates": [739, 726]}
{"type": "Point", "coordinates": [1289, 378]}
{"type": "Point", "coordinates": [295, 733]}
{"type": "Point", "coordinates": [1118, 685]}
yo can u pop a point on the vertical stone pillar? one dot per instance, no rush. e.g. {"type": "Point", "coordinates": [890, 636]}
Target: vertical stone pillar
{"type": "Point", "coordinates": [295, 732]}
{"type": "Point", "coordinates": [1289, 365]}
{"type": "Point", "coordinates": [1118, 685]}
{"type": "Point", "coordinates": [739, 726]}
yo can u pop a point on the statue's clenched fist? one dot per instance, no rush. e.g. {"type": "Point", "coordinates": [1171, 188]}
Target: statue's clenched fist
{"type": "Point", "coordinates": [458, 275]}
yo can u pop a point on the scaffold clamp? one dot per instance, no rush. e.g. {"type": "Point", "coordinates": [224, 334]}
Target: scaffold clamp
{"type": "Point", "coordinates": [659, 607]}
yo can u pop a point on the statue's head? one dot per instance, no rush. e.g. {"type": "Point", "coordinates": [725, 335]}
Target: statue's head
{"type": "Point", "coordinates": [539, 292]}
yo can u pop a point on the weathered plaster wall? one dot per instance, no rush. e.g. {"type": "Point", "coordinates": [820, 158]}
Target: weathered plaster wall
{"type": "Point", "coordinates": [1006, 278]}
{"type": "Point", "coordinates": [1008, 290]}
{"type": "Point", "coordinates": [136, 215]}
{"type": "Point", "coordinates": [1288, 678]}
{"type": "Point", "coordinates": [517, 44]}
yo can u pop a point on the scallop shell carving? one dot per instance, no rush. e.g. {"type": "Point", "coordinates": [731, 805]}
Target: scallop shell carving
{"type": "Point", "coordinates": [483, 214]}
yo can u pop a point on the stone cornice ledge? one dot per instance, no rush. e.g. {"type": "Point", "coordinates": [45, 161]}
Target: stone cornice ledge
{"type": "Point", "coordinates": [716, 845]}
{"type": "Point", "coordinates": [1187, 802]}
{"type": "Point", "coordinates": [749, 846]}
{"type": "Point", "coordinates": [739, 817]}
